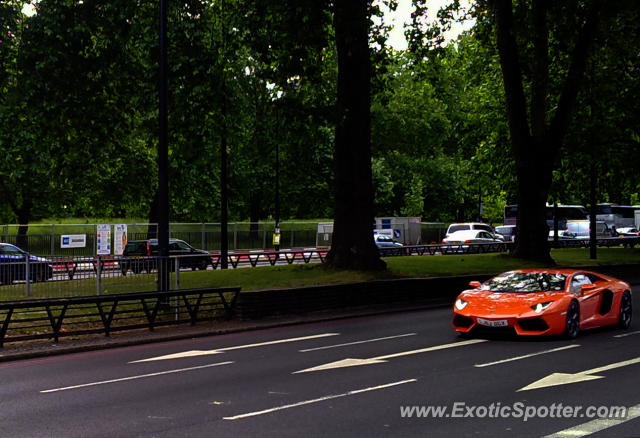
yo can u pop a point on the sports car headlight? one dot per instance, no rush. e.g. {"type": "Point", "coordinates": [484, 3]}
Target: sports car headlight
{"type": "Point", "coordinates": [541, 306]}
{"type": "Point", "coordinates": [461, 304]}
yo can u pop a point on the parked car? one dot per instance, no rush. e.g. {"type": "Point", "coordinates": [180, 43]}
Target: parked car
{"type": "Point", "coordinates": [628, 231]}
{"type": "Point", "coordinates": [13, 265]}
{"type": "Point", "coordinates": [140, 255]}
{"type": "Point", "coordinates": [466, 226]}
{"type": "Point", "coordinates": [471, 236]}
{"type": "Point", "coordinates": [383, 241]}
{"type": "Point", "coordinates": [506, 232]}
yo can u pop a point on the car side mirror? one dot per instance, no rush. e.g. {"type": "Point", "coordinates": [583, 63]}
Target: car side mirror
{"type": "Point", "coordinates": [588, 287]}
{"type": "Point", "coordinates": [475, 284]}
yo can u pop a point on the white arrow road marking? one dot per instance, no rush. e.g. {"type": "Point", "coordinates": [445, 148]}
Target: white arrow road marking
{"type": "Point", "coordinates": [596, 425]}
{"type": "Point", "coordinates": [624, 335]}
{"type": "Point", "coordinates": [526, 356]}
{"type": "Point", "coordinates": [356, 362]}
{"type": "Point", "coordinates": [193, 353]}
{"type": "Point", "coordinates": [563, 378]}
{"type": "Point", "coordinates": [124, 379]}
{"type": "Point", "coordinates": [357, 342]}
{"type": "Point", "coordinates": [316, 400]}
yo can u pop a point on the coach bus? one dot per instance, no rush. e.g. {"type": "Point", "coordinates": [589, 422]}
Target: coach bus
{"type": "Point", "coordinates": [617, 215]}
{"type": "Point", "coordinates": [565, 213]}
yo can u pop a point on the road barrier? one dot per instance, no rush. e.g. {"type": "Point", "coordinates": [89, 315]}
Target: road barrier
{"type": "Point", "coordinates": [54, 318]}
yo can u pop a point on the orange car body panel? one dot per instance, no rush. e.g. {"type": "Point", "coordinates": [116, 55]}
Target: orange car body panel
{"type": "Point", "coordinates": [599, 306]}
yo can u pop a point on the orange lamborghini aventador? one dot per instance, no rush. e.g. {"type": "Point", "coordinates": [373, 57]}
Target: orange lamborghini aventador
{"type": "Point", "coordinates": [543, 302]}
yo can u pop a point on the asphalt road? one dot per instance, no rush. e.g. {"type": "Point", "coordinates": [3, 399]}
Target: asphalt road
{"type": "Point", "coordinates": [342, 378]}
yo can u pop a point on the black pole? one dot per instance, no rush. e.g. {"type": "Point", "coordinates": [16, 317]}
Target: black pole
{"type": "Point", "coordinates": [277, 246]}
{"type": "Point", "coordinates": [163, 158]}
{"type": "Point", "coordinates": [277, 137]}
{"type": "Point", "coordinates": [555, 224]}
{"type": "Point", "coordinates": [224, 214]}
{"type": "Point", "coordinates": [224, 218]}
{"type": "Point", "coordinates": [593, 243]}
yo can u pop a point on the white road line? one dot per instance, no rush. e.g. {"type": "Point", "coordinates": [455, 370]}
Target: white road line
{"type": "Point", "coordinates": [317, 400]}
{"type": "Point", "coordinates": [350, 362]}
{"type": "Point", "coordinates": [596, 425]}
{"type": "Point", "coordinates": [279, 341]}
{"type": "Point", "coordinates": [429, 349]}
{"type": "Point", "coordinates": [357, 342]}
{"type": "Point", "coordinates": [627, 334]}
{"type": "Point", "coordinates": [124, 379]}
{"type": "Point", "coordinates": [193, 353]}
{"type": "Point", "coordinates": [526, 356]}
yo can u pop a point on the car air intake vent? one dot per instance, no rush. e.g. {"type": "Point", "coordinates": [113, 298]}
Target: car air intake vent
{"type": "Point", "coordinates": [533, 325]}
{"type": "Point", "coordinates": [462, 321]}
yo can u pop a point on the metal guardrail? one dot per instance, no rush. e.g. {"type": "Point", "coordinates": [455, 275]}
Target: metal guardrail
{"type": "Point", "coordinates": [254, 258]}
{"type": "Point", "coordinates": [55, 318]}
{"type": "Point", "coordinates": [625, 241]}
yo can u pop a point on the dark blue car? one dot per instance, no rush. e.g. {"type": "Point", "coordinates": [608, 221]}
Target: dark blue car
{"type": "Point", "coordinates": [13, 265]}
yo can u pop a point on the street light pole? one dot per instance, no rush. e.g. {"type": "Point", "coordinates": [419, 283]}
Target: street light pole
{"type": "Point", "coordinates": [163, 158]}
{"type": "Point", "coordinates": [224, 212]}
{"type": "Point", "coordinates": [277, 231]}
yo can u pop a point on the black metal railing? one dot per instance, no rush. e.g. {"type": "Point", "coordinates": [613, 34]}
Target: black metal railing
{"type": "Point", "coordinates": [55, 318]}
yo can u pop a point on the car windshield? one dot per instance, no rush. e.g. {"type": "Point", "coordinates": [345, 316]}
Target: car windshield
{"type": "Point", "coordinates": [524, 282]}
{"type": "Point", "coordinates": [454, 228]}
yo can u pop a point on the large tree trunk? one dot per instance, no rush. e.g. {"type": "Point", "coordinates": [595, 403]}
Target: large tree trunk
{"type": "Point", "coordinates": [534, 181]}
{"type": "Point", "coordinates": [535, 146]}
{"type": "Point", "coordinates": [352, 243]}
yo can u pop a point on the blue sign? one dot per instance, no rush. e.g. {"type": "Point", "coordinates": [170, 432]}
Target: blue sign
{"type": "Point", "coordinates": [386, 223]}
{"type": "Point", "coordinates": [396, 234]}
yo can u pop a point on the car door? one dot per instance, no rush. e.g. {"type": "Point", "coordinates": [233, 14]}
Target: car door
{"type": "Point", "coordinates": [589, 299]}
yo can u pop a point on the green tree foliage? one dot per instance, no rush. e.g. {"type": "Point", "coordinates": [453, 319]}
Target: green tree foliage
{"type": "Point", "coordinates": [78, 109]}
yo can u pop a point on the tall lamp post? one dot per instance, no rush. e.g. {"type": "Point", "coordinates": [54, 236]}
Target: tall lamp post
{"type": "Point", "coordinates": [163, 158]}
{"type": "Point", "coordinates": [224, 205]}
{"type": "Point", "coordinates": [277, 230]}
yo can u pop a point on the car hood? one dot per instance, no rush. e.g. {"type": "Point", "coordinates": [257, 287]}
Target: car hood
{"type": "Point", "coordinates": [505, 302]}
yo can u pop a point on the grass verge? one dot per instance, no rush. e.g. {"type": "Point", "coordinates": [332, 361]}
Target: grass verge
{"type": "Point", "coordinates": [292, 276]}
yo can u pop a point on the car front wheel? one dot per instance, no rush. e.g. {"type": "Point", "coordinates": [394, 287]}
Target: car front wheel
{"type": "Point", "coordinates": [572, 325]}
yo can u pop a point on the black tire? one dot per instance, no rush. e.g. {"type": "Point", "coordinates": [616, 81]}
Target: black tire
{"type": "Point", "coordinates": [572, 324]}
{"type": "Point", "coordinates": [626, 311]}
{"type": "Point", "coordinates": [202, 265]}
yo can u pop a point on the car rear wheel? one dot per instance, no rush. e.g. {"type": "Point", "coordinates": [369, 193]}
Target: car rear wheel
{"type": "Point", "coordinates": [572, 325]}
{"type": "Point", "coordinates": [626, 311]}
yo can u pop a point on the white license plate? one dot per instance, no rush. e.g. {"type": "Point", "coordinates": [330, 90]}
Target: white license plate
{"type": "Point", "coordinates": [493, 323]}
